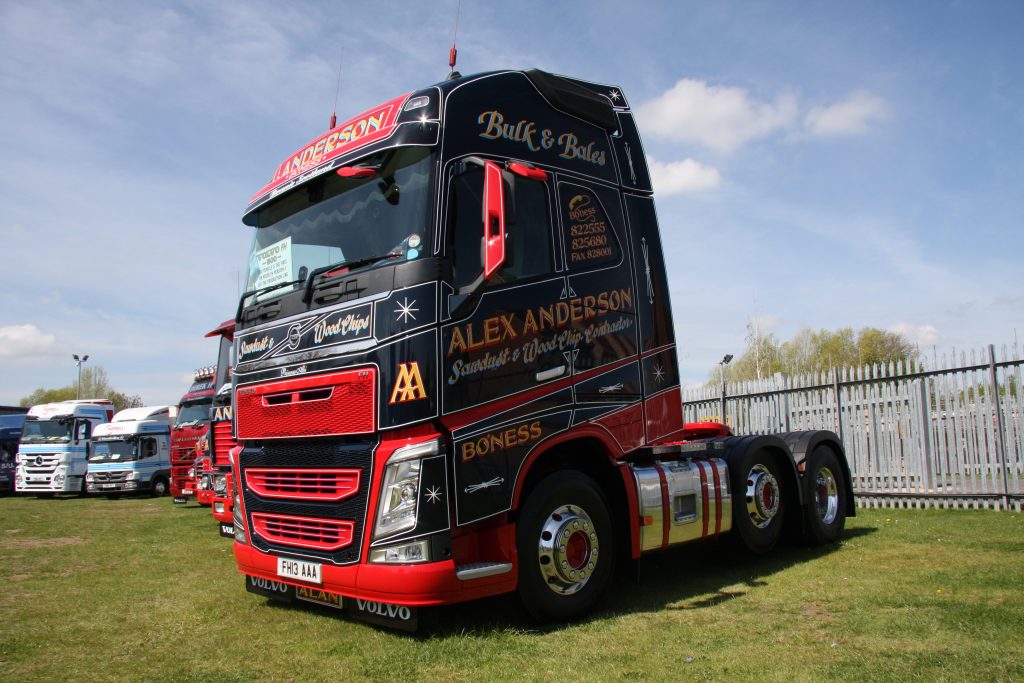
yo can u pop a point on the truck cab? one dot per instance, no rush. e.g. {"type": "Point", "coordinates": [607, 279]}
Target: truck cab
{"type": "Point", "coordinates": [220, 438]}
{"type": "Point", "coordinates": [56, 444]}
{"type": "Point", "coordinates": [188, 434]}
{"type": "Point", "coordinates": [10, 435]}
{"type": "Point", "coordinates": [455, 363]}
{"type": "Point", "coordinates": [131, 454]}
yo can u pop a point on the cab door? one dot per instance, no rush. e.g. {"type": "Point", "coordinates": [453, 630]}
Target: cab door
{"type": "Point", "coordinates": [503, 336]}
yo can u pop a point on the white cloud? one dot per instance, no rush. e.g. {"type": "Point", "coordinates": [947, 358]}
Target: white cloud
{"type": "Point", "coordinates": [922, 335]}
{"type": "Point", "coordinates": [26, 343]}
{"type": "Point", "coordinates": [852, 116]}
{"type": "Point", "coordinates": [720, 117]}
{"type": "Point", "coordinates": [688, 175]}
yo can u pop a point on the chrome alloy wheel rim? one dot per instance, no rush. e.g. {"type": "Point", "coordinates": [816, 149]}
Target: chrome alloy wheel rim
{"type": "Point", "coordinates": [568, 549]}
{"type": "Point", "coordinates": [762, 496]}
{"type": "Point", "coordinates": [826, 494]}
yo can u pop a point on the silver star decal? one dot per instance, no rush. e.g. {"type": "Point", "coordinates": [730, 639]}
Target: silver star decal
{"type": "Point", "coordinates": [615, 95]}
{"type": "Point", "coordinates": [434, 494]}
{"type": "Point", "coordinates": [659, 374]}
{"type": "Point", "coordinates": [405, 310]}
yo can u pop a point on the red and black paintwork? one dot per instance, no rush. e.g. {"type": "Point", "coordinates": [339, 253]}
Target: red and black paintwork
{"type": "Point", "coordinates": [220, 439]}
{"type": "Point", "coordinates": [577, 355]}
{"type": "Point", "coordinates": [188, 441]}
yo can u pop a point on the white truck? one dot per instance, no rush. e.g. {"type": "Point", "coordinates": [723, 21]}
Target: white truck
{"type": "Point", "coordinates": [55, 445]}
{"type": "Point", "coordinates": [132, 453]}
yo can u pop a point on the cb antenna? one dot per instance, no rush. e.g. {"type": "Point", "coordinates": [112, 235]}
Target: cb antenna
{"type": "Point", "coordinates": [454, 53]}
{"type": "Point", "coordinates": [337, 91]}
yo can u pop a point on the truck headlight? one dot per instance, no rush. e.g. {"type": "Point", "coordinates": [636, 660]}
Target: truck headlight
{"type": "Point", "coordinates": [191, 472]}
{"type": "Point", "coordinates": [131, 476]}
{"type": "Point", "coordinates": [397, 509]}
{"type": "Point", "coordinates": [58, 480]}
{"type": "Point", "coordinates": [90, 477]}
{"type": "Point", "coordinates": [238, 521]}
{"type": "Point", "coordinates": [220, 484]}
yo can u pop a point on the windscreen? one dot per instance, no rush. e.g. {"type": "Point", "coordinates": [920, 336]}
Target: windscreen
{"type": "Point", "coordinates": [193, 413]}
{"type": "Point", "coordinates": [334, 220]}
{"type": "Point", "coordinates": [115, 451]}
{"type": "Point", "coordinates": [46, 431]}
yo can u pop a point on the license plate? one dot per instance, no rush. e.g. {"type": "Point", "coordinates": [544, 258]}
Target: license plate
{"type": "Point", "coordinates": [227, 530]}
{"type": "Point", "coordinates": [298, 569]}
{"type": "Point", "coordinates": [187, 492]}
{"type": "Point", "coordinates": [106, 486]}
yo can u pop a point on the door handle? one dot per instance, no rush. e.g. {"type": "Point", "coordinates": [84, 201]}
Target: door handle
{"type": "Point", "coordinates": [545, 375]}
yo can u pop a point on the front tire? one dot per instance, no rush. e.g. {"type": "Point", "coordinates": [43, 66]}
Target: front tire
{"type": "Point", "coordinates": [825, 510]}
{"type": "Point", "coordinates": [566, 548]}
{"type": "Point", "coordinates": [159, 486]}
{"type": "Point", "coordinates": [758, 506]}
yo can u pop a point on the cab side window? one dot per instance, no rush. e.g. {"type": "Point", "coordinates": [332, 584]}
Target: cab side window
{"type": "Point", "coordinates": [590, 239]}
{"type": "Point", "coordinates": [83, 430]}
{"type": "Point", "coordinates": [527, 227]}
{"type": "Point", "coordinates": [148, 448]}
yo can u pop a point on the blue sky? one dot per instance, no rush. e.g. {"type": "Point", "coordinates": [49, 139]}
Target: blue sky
{"type": "Point", "coordinates": [817, 164]}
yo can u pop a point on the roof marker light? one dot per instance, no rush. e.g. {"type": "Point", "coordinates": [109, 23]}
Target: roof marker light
{"type": "Point", "coordinates": [416, 103]}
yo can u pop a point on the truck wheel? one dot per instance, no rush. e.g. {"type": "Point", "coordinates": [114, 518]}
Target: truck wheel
{"type": "Point", "coordinates": [825, 510]}
{"type": "Point", "coordinates": [159, 486]}
{"type": "Point", "coordinates": [757, 501]}
{"type": "Point", "coordinates": [565, 546]}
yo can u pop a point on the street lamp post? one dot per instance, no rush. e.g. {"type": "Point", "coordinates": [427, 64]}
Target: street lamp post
{"type": "Point", "coordinates": [721, 371]}
{"type": "Point", "coordinates": [78, 362]}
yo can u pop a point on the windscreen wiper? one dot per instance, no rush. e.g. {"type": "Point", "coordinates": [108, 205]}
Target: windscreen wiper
{"type": "Point", "coordinates": [350, 265]}
{"type": "Point", "coordinates": [262, 290]}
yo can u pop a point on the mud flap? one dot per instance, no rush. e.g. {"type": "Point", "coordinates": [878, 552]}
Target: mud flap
{"type": "Point", "coordinates": [398, 617]}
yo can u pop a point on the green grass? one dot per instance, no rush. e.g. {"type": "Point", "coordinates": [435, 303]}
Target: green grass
{"type": "Point", "coordinates": [139, 589]}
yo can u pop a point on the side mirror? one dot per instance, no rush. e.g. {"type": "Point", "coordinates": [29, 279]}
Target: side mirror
{"type": "Point", "coordinates": [494, 219]}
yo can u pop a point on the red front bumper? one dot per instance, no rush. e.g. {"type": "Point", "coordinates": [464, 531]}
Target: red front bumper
{"type": "Point", "coordinates": [413, 585]}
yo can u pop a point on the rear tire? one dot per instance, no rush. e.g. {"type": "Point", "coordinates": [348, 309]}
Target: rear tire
{"type": "Point", "coordinates": [825, 507]}
{"type": "Point", "coordinates": [758, 505]}
{"type": "Point", "coordinates": [566, 547]}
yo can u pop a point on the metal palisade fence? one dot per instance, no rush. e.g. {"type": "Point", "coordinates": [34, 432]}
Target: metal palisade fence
{"type": "Point", "coordinates": [915, 436]}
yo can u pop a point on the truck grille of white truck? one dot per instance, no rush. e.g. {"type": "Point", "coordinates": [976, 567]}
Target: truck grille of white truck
{"type": "Point", "coordinates": [39, 469]}
{"type": "Point", "coordinates": [109, 477]}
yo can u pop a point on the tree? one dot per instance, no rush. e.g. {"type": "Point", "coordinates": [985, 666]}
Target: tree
{"type": "Point", "coordinates": [810, 351]}
{"type": "Point", "coordinates": [94, 385]}
{"type": "Point", "coordinates": [879, 346]}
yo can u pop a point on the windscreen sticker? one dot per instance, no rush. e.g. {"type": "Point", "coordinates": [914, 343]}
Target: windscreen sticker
{"type": "Point", "coordinates": [271, 265]}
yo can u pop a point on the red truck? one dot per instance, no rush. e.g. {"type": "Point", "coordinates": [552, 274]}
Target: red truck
{"type": "Point", "coordinates": [220, 439]}
{"type": "Point", "coordinates": [188, 435]}
{"type": "Point", "coordinates": [456, 367]}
